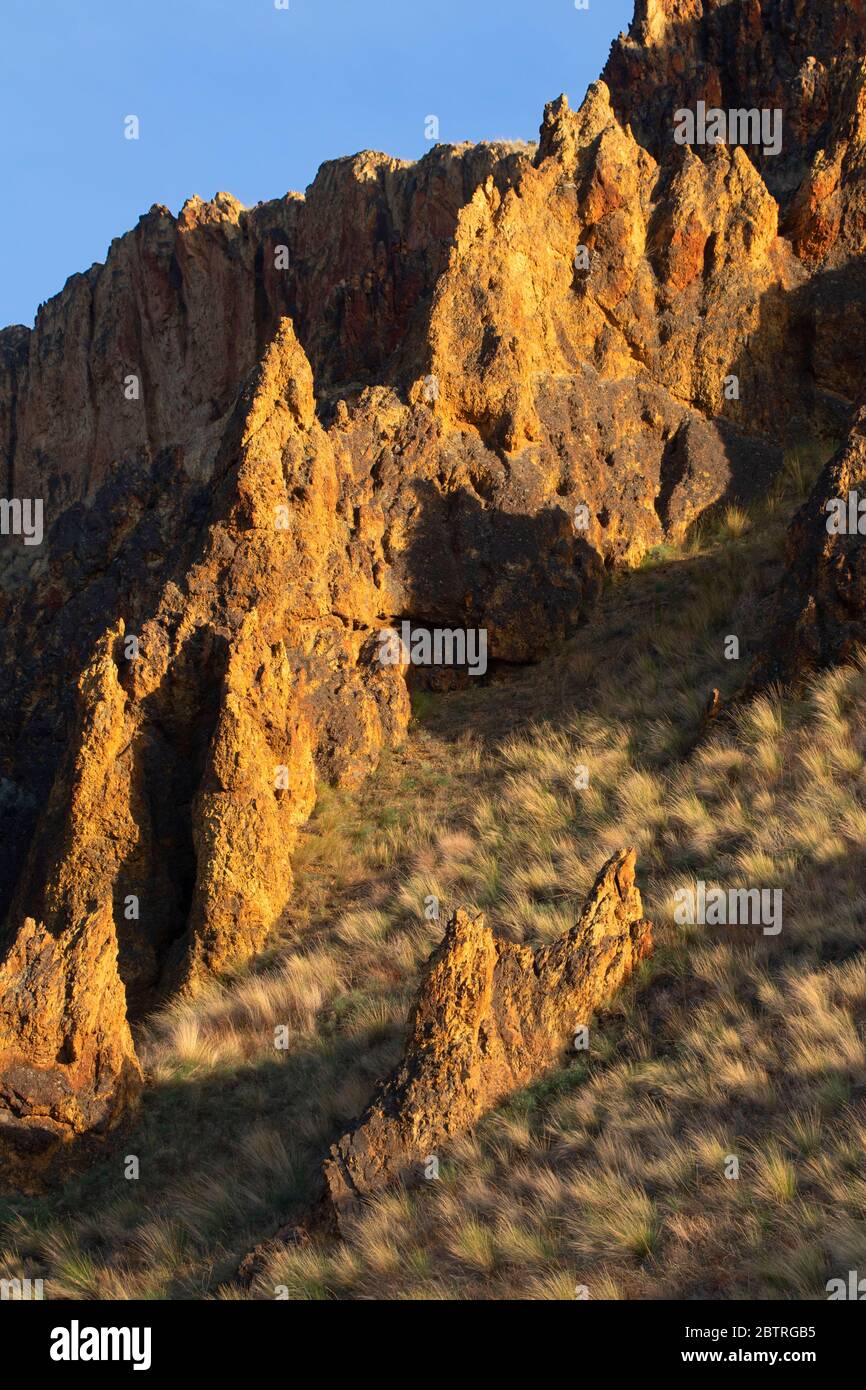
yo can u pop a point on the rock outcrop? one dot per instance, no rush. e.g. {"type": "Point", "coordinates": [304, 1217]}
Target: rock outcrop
{"type": "Point", "coordinates": [820, 611]}
{"type": "Point", "coordinates": [451, 393]}
{"type": "Point", "coordinates": [490, 1017]}
{"type": "Point", "coordinates": [165, 848]}
{"type": "Point", "coordinates": [788, 55]}
{"type": "Point", "coordinates": [67, 1062]}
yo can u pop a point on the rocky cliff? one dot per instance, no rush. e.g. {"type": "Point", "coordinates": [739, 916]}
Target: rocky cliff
{"type": "Point", "coordinates": [449, 392]}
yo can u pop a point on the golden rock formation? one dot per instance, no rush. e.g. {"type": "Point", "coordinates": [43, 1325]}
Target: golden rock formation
{"type": "Point", "coordinates": [490, 1017]}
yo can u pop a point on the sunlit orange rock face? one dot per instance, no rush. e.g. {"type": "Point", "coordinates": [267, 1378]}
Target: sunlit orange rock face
{"type": "Point", "coordinates": [262, 435]}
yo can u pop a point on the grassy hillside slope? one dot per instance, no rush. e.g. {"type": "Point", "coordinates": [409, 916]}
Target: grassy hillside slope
{"type": "Point", "coordinates": [608, 1177]}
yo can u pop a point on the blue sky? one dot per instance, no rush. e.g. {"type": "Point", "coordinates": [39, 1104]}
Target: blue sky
{"type": "Point", "coordinates": [238, 95]}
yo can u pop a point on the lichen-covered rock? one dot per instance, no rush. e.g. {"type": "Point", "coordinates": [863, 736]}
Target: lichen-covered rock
{"type": "Point", "coordinates": [489, 1018]}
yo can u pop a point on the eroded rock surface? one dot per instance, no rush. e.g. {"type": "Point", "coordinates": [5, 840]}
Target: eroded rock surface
{"type": "Point", "coordinates": [820, 613]}
{"type": "Point", "coordinates": [67, 1062]}
{"type": "Point", "coordinates": [490, 1017]}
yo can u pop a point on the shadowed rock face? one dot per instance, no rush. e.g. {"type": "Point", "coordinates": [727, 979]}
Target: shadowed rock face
{"type": "Point", "coordinates": [490, 1017]}
{"type": "Point", "coordinates": [820, 613]}
{"type": "Point", "coordinates": [260, 435]}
